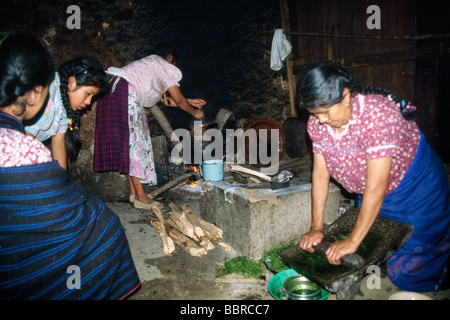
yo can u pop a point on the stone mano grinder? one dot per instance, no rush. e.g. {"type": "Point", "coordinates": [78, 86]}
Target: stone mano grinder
{"type": "Point", "coordinates": [353, 261]}
{"type": "Point", "coordinates": [382, 241]}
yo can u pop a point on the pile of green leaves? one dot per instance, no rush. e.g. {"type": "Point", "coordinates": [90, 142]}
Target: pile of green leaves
{"type": "Point", "coordinates": [242, 265]}
{"type": "Point", "coordinates": [272, 261]}
{"type": "Point", "coordinates": [344, 236]}
{"type": "Point", "coordinates": [253, 269]}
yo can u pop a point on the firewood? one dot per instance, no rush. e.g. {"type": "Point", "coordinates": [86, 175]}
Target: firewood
{"type": "Point", "coordinates": [255, 180]}
{"type": "Point", "coordinates": [187, 243]}
{"type": "Point", "coordinates": [189, 213]}
{"type": "Point", "coordinates": [184, 228]}
{"type": "Point", "coordinates": [179, 238]}
{"type": "Point", "coordinates": [167, 241]}
{"type": "Point", "coordinates": [202, 241]}
{"type": "Point", "coordinates": [198, 229]}
{"type": "Point", "coordinates": [250, 171]}
{"type": "Point", "coordinates": [180, 219]}
{"type": "Point", "coordinates": [222, 244]}
{"type": "Point", "coordinates": [175, 226]}
{"type": "Point", "coordinates": [210, 230]}
{"type": "Point", "coordinates": [207, 244]}
{"type": "Point", "coordinates": [171, 184]}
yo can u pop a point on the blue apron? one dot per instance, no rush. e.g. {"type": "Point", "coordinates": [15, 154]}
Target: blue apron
{"type": "Point", "coordinates": [422, 200]}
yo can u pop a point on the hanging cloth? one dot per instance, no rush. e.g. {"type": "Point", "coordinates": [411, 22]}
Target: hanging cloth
{"type": "Point", "coordinates": [281, 48]}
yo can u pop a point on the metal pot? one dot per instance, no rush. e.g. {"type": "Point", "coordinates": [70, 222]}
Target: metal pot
{"type": "Point", "coordinates": [299, 288]}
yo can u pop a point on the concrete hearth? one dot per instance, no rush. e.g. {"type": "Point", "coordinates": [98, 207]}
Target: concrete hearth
{"type": "Point", "coordinates": [251, 225]}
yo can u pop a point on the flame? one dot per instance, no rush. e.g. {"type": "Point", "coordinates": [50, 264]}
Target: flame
{"type": "Point", "coordinates": [192, 181]}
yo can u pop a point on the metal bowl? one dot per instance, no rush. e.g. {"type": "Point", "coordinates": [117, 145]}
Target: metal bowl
{"type": "Point", "coordinates": [300, 288]}
{"type": "Point", "coordinates": [277, 282]}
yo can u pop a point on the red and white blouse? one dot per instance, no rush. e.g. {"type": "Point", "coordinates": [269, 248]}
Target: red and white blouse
{"type": "Point", "coordinates": [376, 129]}
{"type": "Point", "coordinates": [18, 149]}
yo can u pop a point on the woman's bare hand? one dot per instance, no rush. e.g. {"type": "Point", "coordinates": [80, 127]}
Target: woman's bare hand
{"type": "Point", "coordinates": [198, 114]}
{"type": "Point", "coordinates": [198, 103]}
{"type": "Point", "coordinates": [339, 249]}
{"type": "Point", "coordinates": [310, 239]}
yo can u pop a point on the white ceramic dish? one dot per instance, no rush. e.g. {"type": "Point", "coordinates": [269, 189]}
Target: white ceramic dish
{"type": "Point", "coordinates": [405, 295]}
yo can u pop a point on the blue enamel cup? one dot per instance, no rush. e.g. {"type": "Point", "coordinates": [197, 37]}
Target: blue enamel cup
{"type": "Point", "coordinates": [212, 170]}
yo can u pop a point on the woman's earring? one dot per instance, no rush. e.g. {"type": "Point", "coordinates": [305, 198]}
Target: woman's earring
{"type": "Point", "coordinates": [347, 105]}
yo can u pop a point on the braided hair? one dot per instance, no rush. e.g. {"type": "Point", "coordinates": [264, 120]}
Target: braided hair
{"type": "Point", "coordinates": [322, 85]}
{"type": "Point", "coordinates": [24, 64]}
{"type": "Point", "coordinates": [87, 72]}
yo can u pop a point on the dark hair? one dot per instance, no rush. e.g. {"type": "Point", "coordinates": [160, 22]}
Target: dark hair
{"type": "Point", "coordinates": [165, 48]}
{"type": "Point", "coordinates": [87, 72]}
{"type": "Point", "coordinates": [24, 64]}
{"type": "Point", "coordinates": [322, 85]}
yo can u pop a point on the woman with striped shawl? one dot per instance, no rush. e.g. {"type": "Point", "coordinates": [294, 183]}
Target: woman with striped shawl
{"type": "Point", "coordinates": [57, 241]}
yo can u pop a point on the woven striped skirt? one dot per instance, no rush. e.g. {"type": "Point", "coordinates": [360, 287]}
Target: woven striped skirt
{"type": "Point", "coordinates": [58, 241]}
{"type": "Point", "coordinates": [112, 134]}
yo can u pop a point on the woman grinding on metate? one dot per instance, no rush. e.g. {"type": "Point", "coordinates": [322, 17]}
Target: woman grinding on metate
{"type": "Point", "coordinates": [367, 140]}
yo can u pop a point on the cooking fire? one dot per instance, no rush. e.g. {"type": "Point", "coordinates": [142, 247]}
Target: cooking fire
{"type": "Point", "coordinates": [192, 181]}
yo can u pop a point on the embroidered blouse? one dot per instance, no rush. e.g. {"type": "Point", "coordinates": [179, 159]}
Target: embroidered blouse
{"type": "Point", "coordinates": [376, 129]}
{"type": "Point", "coordinates": [54, 119]}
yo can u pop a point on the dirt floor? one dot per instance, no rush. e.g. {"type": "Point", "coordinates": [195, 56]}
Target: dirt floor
{"type": "Point", "coordinates": [179, 276]}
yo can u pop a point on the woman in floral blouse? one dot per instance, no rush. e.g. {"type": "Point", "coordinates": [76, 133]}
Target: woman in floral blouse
{"type": "Point", "coordinates": [122, 135]}
{"type": "Point", "coordinates": [366, 140]}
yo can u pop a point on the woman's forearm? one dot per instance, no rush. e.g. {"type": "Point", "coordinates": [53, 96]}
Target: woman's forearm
{"type": "Point", "coordinates": [58, 149]}
{"type": "Point", "coordinates": [374, 193]}
{"type": "Point", "coordinates": [179, 100]}
{"type": "Point", "coordinates": [319, 192]}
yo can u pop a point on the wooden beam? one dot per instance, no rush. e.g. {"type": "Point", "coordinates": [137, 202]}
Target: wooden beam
{"type": "Point", "coordinates": [425, 51]}
{"type": "Point", "coordinates": [289, 65]}
{"type": "Point", "coordinates": [366, 37]}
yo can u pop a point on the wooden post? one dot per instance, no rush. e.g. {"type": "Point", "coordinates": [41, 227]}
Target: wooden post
{"type": "Point", "coordinates": [163, 122]}
{"type": "Point", "coordinates": [160, 153]}
{"type": "Point", "coordinates": [286, 29]}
